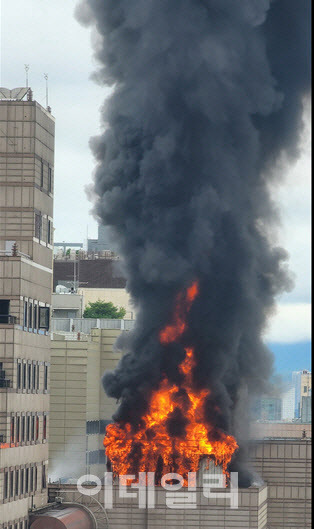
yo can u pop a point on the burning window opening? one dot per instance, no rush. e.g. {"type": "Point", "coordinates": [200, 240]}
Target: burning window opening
{"type": "Point", "coordinates": [174, 434]}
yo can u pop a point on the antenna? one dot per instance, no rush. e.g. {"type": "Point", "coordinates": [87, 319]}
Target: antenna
{"type": "Point", "coordinates": [26, 67]}
{"type": "Point", "coordinates": [46, 77]}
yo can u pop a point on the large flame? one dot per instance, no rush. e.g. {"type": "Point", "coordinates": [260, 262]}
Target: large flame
{"type": "Point", "coordinates": [153, 447]}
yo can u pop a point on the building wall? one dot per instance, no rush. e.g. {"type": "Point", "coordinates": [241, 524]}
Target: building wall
{"type": "Point", "coordinates": [285, 465]}
{"type": "Point", "coordinates": [26, 206]}
{"type": "Point", "coordinates": [118, 296]}
{"type": "Point", "coordinates": [78, 403]}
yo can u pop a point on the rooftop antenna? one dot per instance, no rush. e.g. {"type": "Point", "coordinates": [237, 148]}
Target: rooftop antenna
{"type": "Point", "coordinates": [47, 106]}
{"type": "Point", "coordinates": [26, 67]}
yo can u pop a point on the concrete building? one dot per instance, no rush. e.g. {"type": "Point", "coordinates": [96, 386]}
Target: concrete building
{"type": "Point", "coordinates": [101, 244]}
{"type": "Point", "coordinates": [118, 296]}
{"type": "Point", "coordinates": [80, 409]}
{"type": "Point", "coordinates": [67, 305]}
{"type": "Point", "coordinates": [306, 409]}
{"type": "Point", "coordinates": [26, 211]}
{"type": "Point", "coordinates": [302, 381]}
{"type": "Point", "coordinates": [288, 404]}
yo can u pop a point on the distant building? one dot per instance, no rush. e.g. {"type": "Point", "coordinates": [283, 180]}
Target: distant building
{"type": "Point", "coordinates": [306, 409]}
{"type": "Point", "coordinates": [288, 404]}
{"type": "Point", "coordinates": [302, 381]}
{"type": "Point", "coordinates": [102, 243]}
{"type": "Point", "coordinates": [268, 409]}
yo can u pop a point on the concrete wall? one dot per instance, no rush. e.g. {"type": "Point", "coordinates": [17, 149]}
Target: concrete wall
{"type": "Point", "coordinates": [118, 296]}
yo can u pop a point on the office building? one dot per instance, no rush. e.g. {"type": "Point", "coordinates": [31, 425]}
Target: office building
{"type": "Point", "coordinates": [302, 381]}
{"type": "Point", "coordinates": [26, 227]}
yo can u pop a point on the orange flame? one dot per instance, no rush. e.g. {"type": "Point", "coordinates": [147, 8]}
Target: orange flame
{"type": "Point", "coordinates": [151, 447]}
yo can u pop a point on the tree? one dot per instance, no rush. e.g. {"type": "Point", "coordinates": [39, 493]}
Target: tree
{"type": "Point", "coordinates": [103, 309]}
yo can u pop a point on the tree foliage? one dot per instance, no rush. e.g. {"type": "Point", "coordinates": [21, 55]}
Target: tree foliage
{"type": "Point", "coordinates": [103, 309]}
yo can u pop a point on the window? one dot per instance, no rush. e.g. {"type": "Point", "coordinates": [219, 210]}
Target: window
{"type": "Point", "coordinates": [44, 318]}
{"type": "Point", "coordinates": [49, 232]}
{"type": "Point", "coordinates": [34, 376]}
{"type": "Point", "coordinates": [16, 483]}
{"type": "Point", "coordinates": [4, 310]}
{"type": "Point", "coordinates": [38, 225]}
{"type": "Point", "coordinates": [30, 315]}
{"type": "Point", "coordinates": [37, 381]}
{"type": "Point", "coordinates": [29, 374]}
{"type": "Point", "coordinates": [28, 427]}
{"type": "Point", "coordinates": [19, 375]}
{"type": "Point", "coordinates": [26, 479]}
{"type": "Point", "coordinates": [49, 179]}
{"type": "Point", "coordinates": [305, 389]}
{"type": "Point", "coordinates": [12, 430]}
{"type": "Point", "coordinates": [22, 482]}
{"type": "Point", "coordinates": [45, 427]}
{"type": "Point", "coordinates": [25, 313]}
{"type": "Point", "coordinates": [24, 375]}
{"type": "Point", "coordinates": [33, 428]}
{"type": "Point", "coordinates": [11, 483]}
{"type": "Point", "coordinates": [31, 485]}
{"type": "Point", "coordinates": [23, 429]}
{"type": "Point", "coordinates": [35, 325]}
{"type": "Point", "coordinates": [42, 174]}
{"type": "Point", "coordinates": [46, 378]}
{"type": "Point", "coordinates": [44, 481]}
{"type": "Point", "coordinates": [17, 430]}
{"type": "Point", "coordinates": [6, 485]}
{"type": "Point", "coordinates": [37, 428]}
{"type": "Point", "coordinates": [35, 477]}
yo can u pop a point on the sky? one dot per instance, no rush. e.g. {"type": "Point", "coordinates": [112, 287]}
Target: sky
{"type": "Point", "coordinates": [46, 36]}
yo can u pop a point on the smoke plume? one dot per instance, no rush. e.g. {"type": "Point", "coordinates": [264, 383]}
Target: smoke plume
{"type": "Point", "coordinates": [207, 96]}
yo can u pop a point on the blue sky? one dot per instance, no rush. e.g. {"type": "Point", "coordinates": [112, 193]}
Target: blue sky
{"type": "Point", "coordinates": [51, 41]}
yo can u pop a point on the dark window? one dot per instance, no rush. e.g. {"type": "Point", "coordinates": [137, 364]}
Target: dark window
{"type": "Point", "coordinates": [29, 373]}
{"type": "Point", "coordinates": [28, 427]}
{"type": "Point", "coordinates": [4, 310]}
{"type": "Point", "coordinates": [44, 318]}
{"type": "Point", "coordinates": [12, 430]}
{"type": "Point", "coordinates": [49, 232]}
{"type": "Point", "coordinates": [37, 428]}
{"type": "Point", "coordinates": [49, 179]}
{"type": "Point", "coordinates": [45, 427]}
{"type": "Point", "coordinates": [44, 481]}
{"type": "Point", "coordinates": [16, 483]}
{"type": "Point", "coordinates": [19, 375]}
{"type": "Point", "coordinates": [35, 317]}
{"type": "Point", "coordinates": [37, 382]}
{"type": "Point", "coordinates": [33, 428]}
{"type": "Point", "coordinates": [31, 485]}
{"type": "Point", "coordinates": [38, 225]}
{"type": "Point", "coordinates": [6, 485]}
{"type": "Point", "coordinates": [46, 378]}
{"type": "Point", "coordinates": [26, 479]}
{"type": "Point", "coordinates": [22, 481]}
{"type": "Point", "coordinates": [23, 429]}
{"type": "Point", "coordinates": [30, 315]}
{"type": "Point", "coordinates": [305, 389]}
{"type": "Point", "coordinates": [35, 478]}
{"type": "Point", "coordinates": [34, 376]}
{"type": "Point", "coordinates": [24, 375]}
{"type": "Point", "coordinates": [42, 174]}
{"type": "Point", "coordinates": [11, 483]}
{"type": "Point", "coordinates": [25, 313]}
{"type": "Point", "coordinates": [17, 430]}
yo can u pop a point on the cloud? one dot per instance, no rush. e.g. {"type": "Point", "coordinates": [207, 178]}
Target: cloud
{"type": "Point", "coordinates": [291, 323]}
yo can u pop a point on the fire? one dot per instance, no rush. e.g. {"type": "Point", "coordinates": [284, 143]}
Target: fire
{"type": "Point", "coordinates": [173, 435]}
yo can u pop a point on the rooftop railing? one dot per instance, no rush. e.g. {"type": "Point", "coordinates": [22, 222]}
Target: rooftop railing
{"type": "Point", "coordinates": [85, 325]}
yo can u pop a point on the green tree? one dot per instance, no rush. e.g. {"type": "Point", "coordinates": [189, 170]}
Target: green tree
{"type": "Point", "coordinates": [103, 309]}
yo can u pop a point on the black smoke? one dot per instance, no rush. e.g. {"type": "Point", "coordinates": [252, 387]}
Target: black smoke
{"type": "Point", "coordinates": [207, 96]}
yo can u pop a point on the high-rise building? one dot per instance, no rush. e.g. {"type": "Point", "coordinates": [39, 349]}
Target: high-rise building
{"type": "Point", "coordinates": [26, 248]}
{"type": "Point", "coordinates": [288, 404]}
{"type": "Point", "coordinates": [302, 381]}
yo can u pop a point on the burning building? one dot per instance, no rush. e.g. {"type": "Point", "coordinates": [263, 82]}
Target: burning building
{"type": "Point", "coordinates": [207, 98]}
